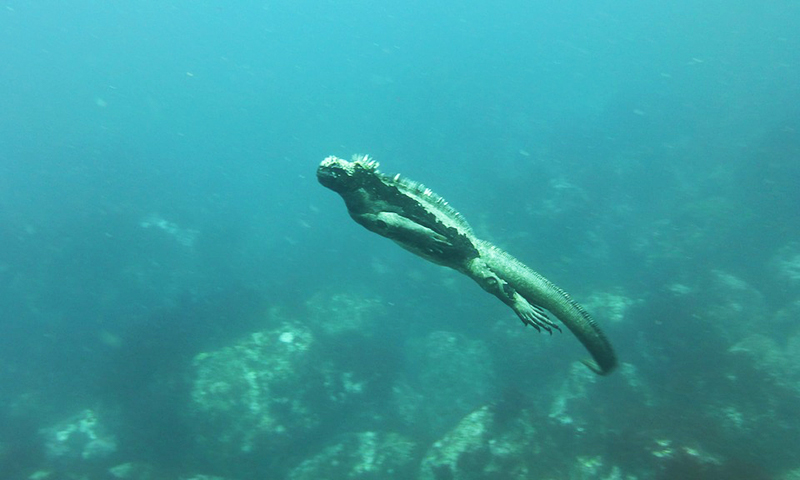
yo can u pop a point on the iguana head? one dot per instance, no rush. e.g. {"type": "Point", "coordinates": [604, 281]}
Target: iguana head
{"type": "Point", "coordinates": [342, 176]}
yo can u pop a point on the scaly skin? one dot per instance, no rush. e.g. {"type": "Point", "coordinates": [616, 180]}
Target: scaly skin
{"type": "Point", "coordinates": [540, 291]}
{"type": "Point", "coordinates": [422, 222]}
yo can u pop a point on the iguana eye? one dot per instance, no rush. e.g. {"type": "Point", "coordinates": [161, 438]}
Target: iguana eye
{"type": "Point", "coordinates": [334, 177]}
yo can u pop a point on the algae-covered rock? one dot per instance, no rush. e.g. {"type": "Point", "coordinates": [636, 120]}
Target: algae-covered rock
{"type": "Point", "coordinates": [613, 305]}
{"type": "Point", "coordinates": [278, 388]}
{"type": "Point", "coordinates": [764, 352]}
{"type": "Point", "coordinates": [344, 313]}
{"type": "Point", "coordinates": [793, 474]}
{"type": "Point", "coordinates": [142, 471]}
{"type": "Point", "coordinates": [135, 471]}
{"type": "Point", "coordinates": [785, 321]}
{"type": "Point", "coordinates": [572, 397]}
{"type": "Point", "coordinates": [256, 394]}
{"type": "Point", "coordinates": [732, 304]}
{"type": "Point", "coordinates": [448, 375]}
{"type": "Point", "coordinates": [486, 444]}
{"type": "Point", "coordinates": [360, 456]}
{"type": "Point", "coordinates": [695, 228]}
{"type": "Point", "coordinates": [596, 468]}
{"type": "Point", "coordinates": [786, 264]}
{"type": "Point", "coordinates": [82, 437]}
{"type": "Point", "coordinates": [777, 361]}
{"type": "Point", "coordinates": [587, 468]}
{"type": "Point", "coordinates": [201, 477]}
{"type": "Point", "coordinates": [467, 443]}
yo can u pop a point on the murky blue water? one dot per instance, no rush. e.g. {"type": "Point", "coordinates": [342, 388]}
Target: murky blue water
{"type": "Point", "coordinates": [179, 296]}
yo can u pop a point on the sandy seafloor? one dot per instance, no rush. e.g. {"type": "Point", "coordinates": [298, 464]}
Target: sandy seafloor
{"type": "Point", "coordinates": [180, 298]}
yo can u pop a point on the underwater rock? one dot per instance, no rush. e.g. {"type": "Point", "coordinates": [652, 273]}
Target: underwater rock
{"type": "Point", "coordinates": [124, 470]}
{"type": "Point", "coordinates": [573, 396]}
{"type": "Point", "coordinates": [448, 375]}
{"type": "Point", "coordinates": [790, 475]}
{"type": "Point", "coordinates": [689, 463]}
{"type": "Point", "coordinates": [595, 468]}
{"type": "Point", "coordinates": [257, 394]}
{"type": "Point", "coordinates": [763, 351]}
{"type": "Point", "coordinates": [759, 404]}
{"type": "Point", "coordinates": [777, 362]}
{"type": "Point", "coordinates": [202, 477]}
{"type": "Point", "coordinates": [732, 304]}
{"type": "Point", "coordinates": [563, 198]}
{"type": "Point", "coordinates": [466, 444]}
{"type": "Point", "coordinates": [83, 437]}
{"type": "Point", "coordinates": [667, 449]}
{"type": "Point", "coordinates": [785, 319]}
{"type": "Point", "coordinates": [637, 390]}
{"type": "Point", "coordinates": [344, 313]}
{"type": "Point", "coordinates": [786, 264]}
{"type": "Point", "coordinates": [360, 456]}
{"type": "Point", "coordinates": [695, 229]}
{"type": "Point", "coordinates": [690, 460]}
{"type": "Point", "coordinates": [613, 305]}
{"type": "Point", "coordinates": [277, 388]}
{"type": "Point", "coordinates": [184, 236]}
{"type": "Point", "coordinates": [487, 444]}
{"type": "Point", "coordinates": [143, 471]}
{"type": "Point", "coordinates": [134, 471]}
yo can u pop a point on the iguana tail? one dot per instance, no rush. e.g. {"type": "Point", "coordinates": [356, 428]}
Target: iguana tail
{"type": "Point", "coordinates": [540, 291]}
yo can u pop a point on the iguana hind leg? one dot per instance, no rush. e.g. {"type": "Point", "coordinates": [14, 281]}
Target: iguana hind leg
{"type": "Point", "coordinates": [533, 315]}
{"type": "Point", "coordinates": [530, 314]}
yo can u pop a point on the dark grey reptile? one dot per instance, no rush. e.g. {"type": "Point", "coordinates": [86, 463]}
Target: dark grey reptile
{"type": "Point", "coordinates": [422, 222]}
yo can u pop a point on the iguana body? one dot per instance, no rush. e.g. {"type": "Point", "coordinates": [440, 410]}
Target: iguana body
{"type": "Point", "coordinates": [423, 223]}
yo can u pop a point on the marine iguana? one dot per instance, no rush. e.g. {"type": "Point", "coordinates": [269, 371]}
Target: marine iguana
{"type": "Point", "coordinates": [424, 223]}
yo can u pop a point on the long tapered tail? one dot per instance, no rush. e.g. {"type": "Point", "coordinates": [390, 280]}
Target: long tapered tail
{"type": "Point", "coordinates": [539, 291]}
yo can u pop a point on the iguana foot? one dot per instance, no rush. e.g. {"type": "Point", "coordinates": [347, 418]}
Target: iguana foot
{"type": "Point", "coordinates": [535, 316]}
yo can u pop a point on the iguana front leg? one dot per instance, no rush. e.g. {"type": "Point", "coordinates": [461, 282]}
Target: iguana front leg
{"type": "Point", "coordinates": [411, 235]}
{"type": "Point", "coordinates": [530, 314]}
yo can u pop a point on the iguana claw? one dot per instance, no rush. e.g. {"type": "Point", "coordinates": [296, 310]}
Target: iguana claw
{"type": "Point", "coordinates": [533, 315]}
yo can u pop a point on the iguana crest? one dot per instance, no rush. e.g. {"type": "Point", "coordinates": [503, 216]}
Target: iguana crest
{"type": "Point", "coordinates": [400, 209]}
{"type": "Point", "coordinates": [362, 173]}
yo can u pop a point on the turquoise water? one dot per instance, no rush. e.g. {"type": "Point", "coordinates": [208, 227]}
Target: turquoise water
{"type": "Point", "coordinates": [180, 298]}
